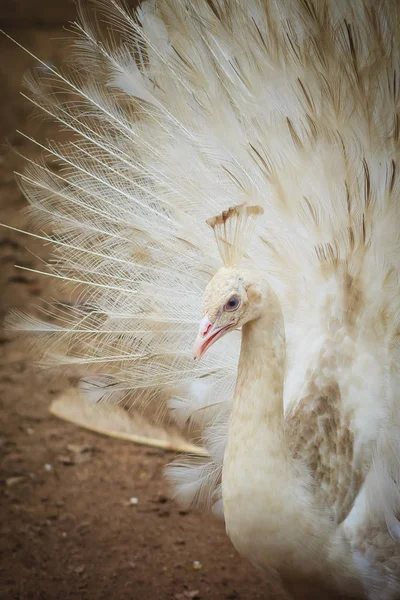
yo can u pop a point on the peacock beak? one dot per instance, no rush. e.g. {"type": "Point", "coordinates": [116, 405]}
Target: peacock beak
{"type": "Point", "coordinates": [208, 334]}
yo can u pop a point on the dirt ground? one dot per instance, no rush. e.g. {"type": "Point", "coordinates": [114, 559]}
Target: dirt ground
{"type": "Point", "coordinates": [68, 529]}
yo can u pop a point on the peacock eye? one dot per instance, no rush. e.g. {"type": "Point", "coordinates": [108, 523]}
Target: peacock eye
{"type": "Point", "coordinates": [233, 303]}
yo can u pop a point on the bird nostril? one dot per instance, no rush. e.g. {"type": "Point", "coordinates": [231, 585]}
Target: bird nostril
{"type": "Point", "coordinates": [206, 329]}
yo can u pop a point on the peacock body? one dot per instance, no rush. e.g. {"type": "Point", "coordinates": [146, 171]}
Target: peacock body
{"type": "Point", "coordinates": [198, 107]}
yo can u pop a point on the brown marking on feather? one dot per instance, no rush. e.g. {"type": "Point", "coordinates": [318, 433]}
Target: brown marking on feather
{"type": "Point", "coordinates": [310, 9]}
{"type": "Point", "coordinates": [311, 210]}
{"type": "Point", "coordinates": [352, 47]}
{"type": "Point", "coordinates": [215, 9]}
{"type": "Point", "coordinates": [313, 127]}
{"type": "Point", "coordinates": [351, 237]}
{"type": "Point", "coordinates": [280, 192]}
{"type": "Point", "coordinates": [385, 549]}
{"type": "Point", "coordinates": [328, 254]}
{"type": "Point", "coordinates": [267, 168]}
{"type": "Point", "coordinates": [349, 302]}
{"type": "Point", "coordinates": [392, 177]}
{"type": "Point", "coordinates": [363, 229]}
{"type": "Point", "coordinates": [234, 211]}
{"type": "Point", "coordinates": [367, 179]}
{"type": "Point", "coordinates": [182, 58]}
{"type": "Point", "coordinates": [320, 436]}
{"type": "Point", "coordinates": [307, 96]}
{"type": "Point", "coordinates": [260, 34]}
{"type": "Point", "coordinates": [353, 299]}
{"type": "Point", "coordinates": [396, 127]}
{"type": "Point", "coordinates": [296, 139]}
{"type": "Point", "coordinates": [269, 245]}
{"type": "Point", "coordinates": [348, 197]}
{"type": "Point", "coordinates": [292, 40]}
{"type": "Point", "coordinates": [239, 72]}
{"type": "Point", "coordinates": [333, 253]}
{"type": "Point", "coordinates": [232, 176]}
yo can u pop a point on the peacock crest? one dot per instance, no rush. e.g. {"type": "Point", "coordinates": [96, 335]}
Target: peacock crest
{"type": "Point", "coordinates": [233, 230]}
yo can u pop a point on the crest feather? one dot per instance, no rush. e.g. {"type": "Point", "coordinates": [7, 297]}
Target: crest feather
{"type": "Point", "coordinates": [233, 229]}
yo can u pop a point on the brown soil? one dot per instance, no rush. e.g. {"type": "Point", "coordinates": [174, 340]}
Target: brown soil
{"type": "Point", "coordinates": [67, 527]}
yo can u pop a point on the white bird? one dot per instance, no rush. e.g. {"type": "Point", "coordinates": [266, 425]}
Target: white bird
{"type": "Point", "coordinates": [278, 123]}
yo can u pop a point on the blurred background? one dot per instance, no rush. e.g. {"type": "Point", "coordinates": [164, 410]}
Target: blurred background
{"type": "Point", "coordinates": [82, 515]}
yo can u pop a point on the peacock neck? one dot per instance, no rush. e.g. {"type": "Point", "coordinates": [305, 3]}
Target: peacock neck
{"type": "Point", "coordinates": [256, 442]}
{"type": "Point", "coordinates": [259, 386]}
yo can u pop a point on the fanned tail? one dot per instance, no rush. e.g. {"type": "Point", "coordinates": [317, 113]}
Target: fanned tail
{"type": "Point", "coordinates": [200, 106]}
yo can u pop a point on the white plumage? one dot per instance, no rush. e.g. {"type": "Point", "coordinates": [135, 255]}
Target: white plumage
{"type": "Point", "coordinates": [200, 106]}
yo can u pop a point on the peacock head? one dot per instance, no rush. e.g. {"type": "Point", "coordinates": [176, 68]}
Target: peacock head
{"type": "Point", "coordinates": [234, 295]}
